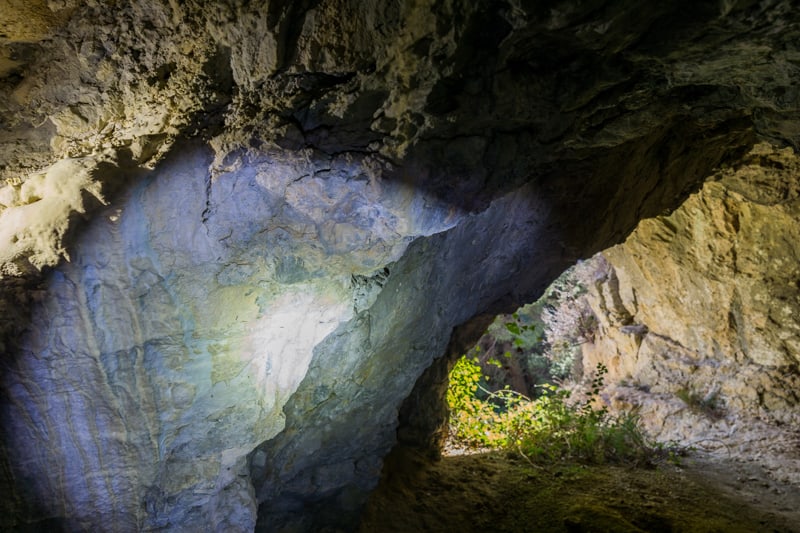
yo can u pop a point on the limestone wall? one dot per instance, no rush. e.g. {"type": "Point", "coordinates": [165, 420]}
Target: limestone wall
{"type": "Point", "coordinates": [253, 225]}
{"type": "Point", "coordinates": [704, 304]}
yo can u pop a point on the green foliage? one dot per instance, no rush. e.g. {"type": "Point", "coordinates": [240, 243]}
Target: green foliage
{"type": "Point", "coordinates": [474, 421]}
{"type": "Point", "coordinates": [513, 328]}
{"type": "Point", "coordinates": [708, 405]}
{"type": "Point", "coordinates": [549, 428]}
{"type": "Point", "coordinates": [464, 378]}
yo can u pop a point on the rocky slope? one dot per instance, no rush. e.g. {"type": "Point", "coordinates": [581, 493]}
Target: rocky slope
{"type": "Point", "coordinates": [303, 201]}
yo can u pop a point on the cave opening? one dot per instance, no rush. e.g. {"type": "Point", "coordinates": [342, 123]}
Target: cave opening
{"type": "Point", "coordinates": [315, 208]}
{"type": "Point", "coordinates": [662, 315]}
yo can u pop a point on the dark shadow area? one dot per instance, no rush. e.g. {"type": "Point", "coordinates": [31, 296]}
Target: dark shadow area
{"type": "Point", "coordinates": [501, 491]}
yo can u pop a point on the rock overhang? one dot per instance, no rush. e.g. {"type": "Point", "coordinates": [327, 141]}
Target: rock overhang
{"type": "Point", "coordinates": [466, 149]}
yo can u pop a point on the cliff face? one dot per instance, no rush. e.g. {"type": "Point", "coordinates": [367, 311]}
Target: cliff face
{"type": "Point", "coordinates": [699, 314]}
{"type": "Point", "coordinates": [275, 216]}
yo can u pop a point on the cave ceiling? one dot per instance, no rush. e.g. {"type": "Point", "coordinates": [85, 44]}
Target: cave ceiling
{"type": "Point", "coordinates": [249, 227]}
{"type": "Point", "coordinates": [492, 93]}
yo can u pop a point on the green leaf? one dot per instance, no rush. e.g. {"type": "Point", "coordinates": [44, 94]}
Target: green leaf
{"type": "Point", "coordinates": [513, 328]}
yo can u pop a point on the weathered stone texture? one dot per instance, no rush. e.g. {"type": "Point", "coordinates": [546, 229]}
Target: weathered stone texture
{"type": "Point", "coordinates": [705, 303]}
{"type": "Point", "coordinates": [186, 318]}
{"type": "Point", "coordinates": [303, 200]}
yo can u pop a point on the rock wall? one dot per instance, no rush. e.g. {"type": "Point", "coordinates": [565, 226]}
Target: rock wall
{"type": "Point", "coordinates": [164, 352]}
{"type": "Point", "coordinates": [233, 235]}
{"type": "Point", "coordinates": [699, 315]}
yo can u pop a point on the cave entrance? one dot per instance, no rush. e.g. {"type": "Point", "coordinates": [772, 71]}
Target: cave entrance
{"type": "Point", "coordinates": [526, 358]}
{"type": "Point", "coordinates": [584, 336]}
{"type": "Point", "coordinates": [535, 384]}
{"type": "Point", "coordinates": [694, 321]}
{"type": "Point", "coordinates": [519, 355]}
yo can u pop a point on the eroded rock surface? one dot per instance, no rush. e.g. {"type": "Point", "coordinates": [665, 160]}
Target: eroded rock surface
{"type": "Point", "coordinates": [699, 315]}
{"type": "Point", "coordinates": [303, 199]}
{"type": "Point", "coordinates": [185, 320]}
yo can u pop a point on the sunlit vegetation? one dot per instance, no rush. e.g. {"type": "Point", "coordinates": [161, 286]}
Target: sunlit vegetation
{"type": "Point", "coordinates": [548, 428]}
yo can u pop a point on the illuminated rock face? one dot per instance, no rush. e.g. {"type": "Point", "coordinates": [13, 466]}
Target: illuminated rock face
{"type": "Point", "coordinates": [165, 351]}
{"type": "Point", "coordinates": [699, 313]}
{"type": "Point", "coordinates": [303, 200]}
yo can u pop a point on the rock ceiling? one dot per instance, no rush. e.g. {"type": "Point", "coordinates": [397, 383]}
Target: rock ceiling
{"type": "Point", "coordinates": [275, 214]}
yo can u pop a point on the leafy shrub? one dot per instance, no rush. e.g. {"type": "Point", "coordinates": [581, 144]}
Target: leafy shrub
{"type": "Point", "coordinates": [549, 428]}
{"type": "Point", "coordinates": [473, 421]}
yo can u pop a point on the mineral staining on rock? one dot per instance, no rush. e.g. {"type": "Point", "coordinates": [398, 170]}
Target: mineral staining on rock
{"type": "Point", "coordinates": [35, 214]}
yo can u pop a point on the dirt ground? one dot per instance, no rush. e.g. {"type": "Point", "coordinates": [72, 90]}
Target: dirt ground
{"type": "Point", "coordinates": [501, 492]}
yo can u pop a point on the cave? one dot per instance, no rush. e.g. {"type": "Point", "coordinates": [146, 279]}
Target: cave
{"type": "Point", "coordinates": [242, 242]}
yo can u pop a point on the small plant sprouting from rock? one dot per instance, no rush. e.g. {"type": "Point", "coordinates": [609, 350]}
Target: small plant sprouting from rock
{"type": "Point", "coordinates": [549, 428]}
{"type": "Point", "coordinates": [708, 405]}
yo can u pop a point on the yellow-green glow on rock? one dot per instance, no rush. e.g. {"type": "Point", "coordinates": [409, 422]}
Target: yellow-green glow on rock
{"type": "Point", "coordinates": [281, 341]}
